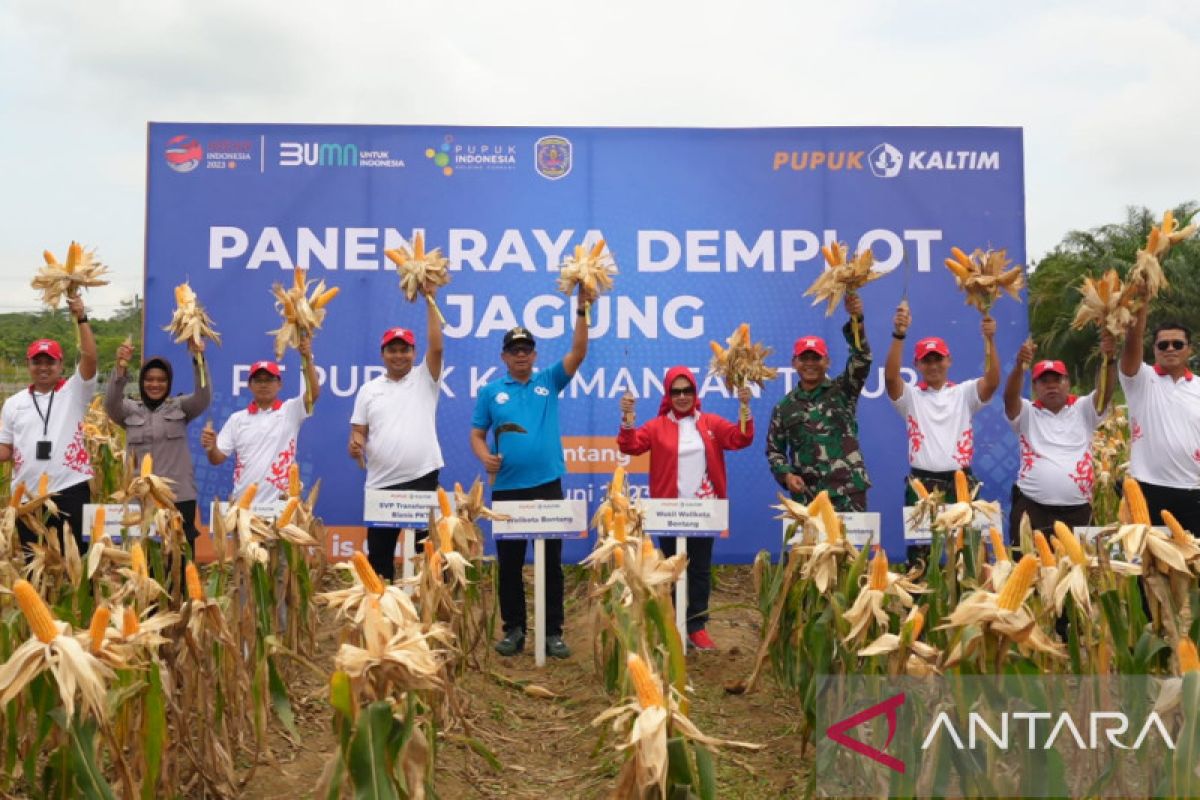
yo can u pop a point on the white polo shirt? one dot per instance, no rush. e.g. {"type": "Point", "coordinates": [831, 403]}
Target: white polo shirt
{"type": "Point", "coordinates": [22, 428]}
{"type": "Point", "coordinates": [1164, 423]}
{"type": "Point", "coordinates": [400, 416]}
{"type": "Point", "coordinates": [1056, 451]}
{"type": "Point", "coordinates": [263, 444]}
{"type": "Point", "coordinates": [938, 423]}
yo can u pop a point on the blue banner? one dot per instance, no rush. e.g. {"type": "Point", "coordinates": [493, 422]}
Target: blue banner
{"type": "Point", "coordinates": [709, 228]}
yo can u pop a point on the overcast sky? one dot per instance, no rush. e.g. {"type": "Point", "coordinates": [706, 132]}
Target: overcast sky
{"type": "Point", "coordinates": [1105, 91]}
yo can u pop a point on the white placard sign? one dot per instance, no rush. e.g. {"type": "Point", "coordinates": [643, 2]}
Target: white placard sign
{"type": "Point", "coordinates": [861, 527]}
{"type": "Point", "coordinates": [113, 512]}
{"type": "Point", "coordinates": [921, 534]}
{"type": "Point", "coordinates": [267, 508]}
{"type": "Point", "coordinates": [384, 508]}
{"type": "Point", "coordinates": [685, 516]}
{"type": "Point", "coordinates": [541, 519]}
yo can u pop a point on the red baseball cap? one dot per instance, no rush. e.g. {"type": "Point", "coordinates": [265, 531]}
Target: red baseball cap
{"type": "Point", "coordinates": [269, 366]}
{"type": "Point", "coordinates": [392, 334]}
{"type": "Point", "coordinates": [1042, 367]}
{"type": "Point", "coordinates": [45, 347]}
{"type": "Point", "coordinates": [930, 344]}
{"type": "Point", "coordinates": [810, 344]}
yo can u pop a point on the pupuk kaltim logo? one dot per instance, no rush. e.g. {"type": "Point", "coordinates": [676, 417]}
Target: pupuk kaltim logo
{"type": "Point", "coordinates": [837, 731]}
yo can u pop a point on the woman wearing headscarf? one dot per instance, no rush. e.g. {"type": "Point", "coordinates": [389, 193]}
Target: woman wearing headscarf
{"type": "Point", "coordinates": [156, 423]}
{"type": "Point", "coordinates": [687, 459]}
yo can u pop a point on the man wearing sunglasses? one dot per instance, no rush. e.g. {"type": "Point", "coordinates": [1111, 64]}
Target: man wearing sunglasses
{"type": "Point", "coordinates": [812, 442]}
{"type": "Point", "coordinates": [1164, 420]}
{"type": "Point", "coordinates": [528, 466]}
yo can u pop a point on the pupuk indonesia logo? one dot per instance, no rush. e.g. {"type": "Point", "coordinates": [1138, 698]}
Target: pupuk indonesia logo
{"type": "Point", "coordinates": [440, 156]}
{"type": "Point", "coordinates": [183, 153]}
{"type": "Point", "coordinates": [552, 157]}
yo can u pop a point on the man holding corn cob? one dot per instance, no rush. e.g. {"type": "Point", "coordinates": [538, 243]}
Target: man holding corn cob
{"type": "Point", "coordinates": [1164, 420]}
{"type": "Point", "coordinates": [528, 466]}
{"type": "Point", "coordinates": [41, 428]}
{"type": "Point", "coordinates": [1055, 436]}
{"type": "Point", "coordinates": [394, 427]}
{"type": "Point", "coordinates": [812, 441]}
{"type": "Point", "coordinates": [262, 437]}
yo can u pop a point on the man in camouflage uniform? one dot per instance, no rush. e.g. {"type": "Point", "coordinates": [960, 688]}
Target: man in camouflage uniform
{"type": "Point", "coordinates": [812, 443]}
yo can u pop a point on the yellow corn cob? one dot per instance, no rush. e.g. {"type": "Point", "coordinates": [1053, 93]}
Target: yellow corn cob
{"type": "Point", "coordinates": [828, 252]}
{"type": "Point", "coordinates": [919, 488]}
{"type": "Point", "coordinates": [960, 256]}
{"type": "Point", "coordinates": [50, 259]}
{"type": "Point", "coordinates": [579, 252]}
{"type": "Point", "coordinates": [743, 333]}
{"type": "Point", "coordinates": [37, 614]}
{"type": "Point", "coordinates": [606, 519]}
{"type": "Point", "coordinates": [1177, 532]}
{"type": "Point", "coordinates": [419, 245]}
{"type": "Point", "coordinates": [98, 523]}
{"type": "Point", "coordinates": [43, 485]}
{"type": "Point", "coordinates": [1043, 548]}
{"type": "Point", "coordinates": [918, 623]}
{"type": "Point", "coordinates": [289, 511]}
{"type": "Point", "coordinates": [180, 294]}
{"type": "Point", "coordinates": [998, 550]}
{"type": "Point", "coordinates": [1189, 660]}
{"type": "Point", "coordinates": [18, 493]}
{"type": "Point", "coordinates": [619, 557]}
{"type": "Point", "coordinates": [957, 269]}
{"type": "Point", "coordinates": [138, 560]}
{"type": "Point", "coordinates": [371, 582]}
{"type": "Point", "coordinates": [962, 488]}
{"type": "Point", "coordinates": [147, 465]}
{"type": "Point", "coordinates": [823, 508]}
{"type": "Point", "coordinates": [445, 535]}
{"type": "Point", "coordinates": [617, 487]}
{"type": "Point", "coordinates": [298, 276]}
{"type": "Point", "coordinates": [129, 623]}
{"type": "Point", "coordinates": [433, 559]}
{"type": "Point", "coordinates": [647, 548]}
{"type": "Point", "coordinates": [247, 498]}
{"type": "Point", "coordinates": [294, 480]}
{"type": "Point", "coordinates": [879, 570]}
{"type": "Point", "coordinates": [325, 297]}
{"type": "Point", "coordinates": [1018, 584]}
{"type": "Point", "coordinates": [444, 502]}
{"type": "Point", "coordinates": [718, 351]}
{"type": "Point", "coordinates": [100, 618]}
{"type": "Point", "coordinates": [195, 588]}
{"type": "Point", "coordinates": [1060, 551]}
{"type": "Point", "coordinates": [618, 526]}
{"type": "Point", "coordinates": [649, 692]}
{"type": "Point", "coordinates": [597, 249]}
{"type": "Point", "coordinates": [74, 253]}
{"type": "Point", "coordinates": [1070, 543]}
{"type": "Point", "coordinates": [289, 308]}
{"type": "Point", "coordinates": [1139, 512]}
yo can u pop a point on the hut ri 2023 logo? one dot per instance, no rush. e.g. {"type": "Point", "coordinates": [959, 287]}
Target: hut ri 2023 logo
{"type": "Point", "coordinates": [552, 157]}
{"type": "Point", "coordinates": [183, 153]}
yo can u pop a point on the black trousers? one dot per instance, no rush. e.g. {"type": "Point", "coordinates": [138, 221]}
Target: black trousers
{"type": "Point", "coordinates": [510, 555]}
{"type": "Point", "coordinates": [699, 577]}
{"type": "Point", "coordinates": [934, 482]}
{"type": "Point", "coordinates": [187, 510]}
{"type": "Point", "coordinates": [1184, 504]}
{"type": "Point", "coordinates": [1043, 517]}
{"type": "Point", "coordinates": [381, 542]}
{"type": "Point", "coordinates": [70, 502]}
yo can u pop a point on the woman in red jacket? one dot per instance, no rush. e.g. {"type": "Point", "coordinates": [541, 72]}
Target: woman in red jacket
{"type": "Point", "coordinates": [687, 459]}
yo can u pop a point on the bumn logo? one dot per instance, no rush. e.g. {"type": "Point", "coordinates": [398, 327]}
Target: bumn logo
{"type": "Point", "coordinates": [837, 732]}
{"type": "Point", "coordinates": [885, 161]}
{"type": "Point", "coordinates": [314, 154]}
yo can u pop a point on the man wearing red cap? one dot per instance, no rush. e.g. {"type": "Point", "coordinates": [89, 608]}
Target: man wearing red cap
{"type": "Point", "coordinates": [1055, 436]}
{"type": "Point", "coordinates": [937, 412]}
{"type": "Point", "coordinates": [41, 428]}
{"type": "Point", "coordinates": [1164, 420]}
{"type": "Point", "coordinates": [812, 442]}
{"type": "Point", "coordinates": [394, 426]}
{"type": "Point", "coordinates": [262, 437]}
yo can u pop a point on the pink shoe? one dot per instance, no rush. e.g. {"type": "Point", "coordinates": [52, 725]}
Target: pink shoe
{"type": "Point", "coordinates": [701, 640]}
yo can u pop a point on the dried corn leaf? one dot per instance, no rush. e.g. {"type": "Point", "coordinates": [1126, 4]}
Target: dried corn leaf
{"type": "Point", "coordinates": [56, 280]}
{"type": "Point", "coordinates": [983, 275]}
{"type": "Point", "coordinates": [419, 268]}
{"type": "Point", "coordinates": [841, 277]}
{"type": "Point", "coordinates": [594, 269]}
{"type": "Point", "coordinates": [1105, 303]}
{"type": "Point", "coordinates": [190, 322]}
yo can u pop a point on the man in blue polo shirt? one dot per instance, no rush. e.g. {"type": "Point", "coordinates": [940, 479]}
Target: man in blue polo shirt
{"type": "Point", "coordinates": [528, 466]}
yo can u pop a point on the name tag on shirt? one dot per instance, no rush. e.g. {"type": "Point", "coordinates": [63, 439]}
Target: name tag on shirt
{"type": "Point", "coordinates": [389, 508]}
{"type": "Point", "coordinates": [686, 516]}
{"type": "Point", "coordinates": [541, 519]}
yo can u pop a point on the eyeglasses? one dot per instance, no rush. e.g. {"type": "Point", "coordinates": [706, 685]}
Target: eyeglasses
{"type": "Point", "coordinates": [522, 350]}
{"type": "Point", "coordinates": [686, 391]}
{"type": "Point", "coordinates": [1171, 344]}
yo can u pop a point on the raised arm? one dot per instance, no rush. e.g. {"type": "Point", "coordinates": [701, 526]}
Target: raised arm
{"type": "Point", "coordinates": [1131, 354]}
{"type": "Point", "coordinates": [114, 392]}
{"type": "Point", "coordinates": [1016, 379]}
{"type": "Point", "coordinates": [310, 368]}
{"type": "Point", "coordinates": [891, 368]}
{"type": "Point", "coordinates": [990, 381]}
{"type": "Point", "coordinates": [579, 341]}
{"type": "Point", "coordinates": [88, 360]}
{"type": "Point", "coordinates": [435, 342]}
{"type": "Point", "coordinates": [1107, 376]}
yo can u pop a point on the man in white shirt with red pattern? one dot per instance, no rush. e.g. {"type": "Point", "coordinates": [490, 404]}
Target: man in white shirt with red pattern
{"type": "Point", "coordinates": [394, 426]}
{"type": "Point", "coordinates": [41, 427]}
{"type": "Point", "coordinates": [1054, 433]}
{"type": "Point", "coordinates": [262, 437]}
{"type": "Point", "coordinates": [1164, 420]}
{"type": "Point", "coordinates": [937, 412]}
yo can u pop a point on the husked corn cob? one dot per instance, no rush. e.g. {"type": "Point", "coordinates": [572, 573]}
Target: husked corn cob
{"type": "Point", "coordinates": [618, 482]}
{"type": "Point", "coordinates": [647, 548]}
{"type": "Point", "coordinates": [433, 558]}
{"type": "Point", "coordinates": [36, 612]}
{"type": "Point", "coordinates": [129, 622]}
{"type": "Point", "coordinates": [18, 493]}
{"type": "Point", "coordinates": [324, 297]}
{"type": "Point", "coordinates": [98, 523]}
{"type": "Point", "coordinates": [138, 560]}
{"type": "Point", "coordinates": [717, 350]}
{"type": "Point", "coordinates": [1043, 548]}
{"type": "Point", "coordinates": [1189, 660]}
{"type": "Point", "coordinates": [918, 623]}
{"type": "Point", "coordinates": [247, 499]}
{"type": "Point", "coordinates": [288, 512]}
{"type": "Point", "coordinates": [445, 535]}
{"type": "Point", "coordinates": [100, 619]}
{"type": "Point", "coordinates": [879, 570]}
{"type": "Point", "coordinates": [366, 573]}
{"type": "Point", "coordinates": [962, 489]}
{"type": "Point", "coordinates": [1177, 532]}
{"type": "Point", "coordinates": [1018, 584]}
{"type": "Point", "coordinates": [195, 588]}
{"type": "Point", "coordinates": [43, 485]}
{"type": "Point", "coordinates": [294, 480]}
{"type": "Point", "coordinates": [619, 557]}
{"type": "Point", "coordinates": [919, 488]}
{"type": "Point", "coordinates": [74, 253]}
{"type": "Point", "coordinates": [147, 465]}
{"type": "Point", "coordinates": [444, 502]}
{"type": "Point", "coordinates": [1139, 512]}
{"type": "Point", "coordinates": [618, 526]}
{"type": "Point", "coordinates": [649, 692]}
{"type": "Point", "coordinates": [1070, 543]}
{"type": "Point", "coordinates": [998, 549]}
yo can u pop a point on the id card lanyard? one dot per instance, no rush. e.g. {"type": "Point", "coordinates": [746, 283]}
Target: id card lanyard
{"type": "Point", "coordinates": [45, 418]}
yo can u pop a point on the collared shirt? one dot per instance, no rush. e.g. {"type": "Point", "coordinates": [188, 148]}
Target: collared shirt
{"type": "Point", "coordinates": [938, 424]}
{"type": "Point", "coordinates": [263, 444]}
{"type": "Point", "coordinates": [692, 467]}
{"type": "Point", "coordinates": [534, 457]}
{"type": "Point", "coordinates": [1056, 451]}
{"type": "Point", "coordinates": [1164, 423]}
{"type": "Point", "coordinates": [22, 427]}
{"type": "Point", "coordinates": [401, 420]}
{"type": "Point", "coordinates": [814, 433]}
